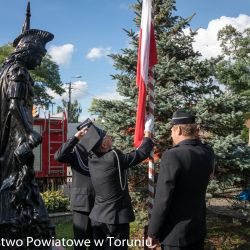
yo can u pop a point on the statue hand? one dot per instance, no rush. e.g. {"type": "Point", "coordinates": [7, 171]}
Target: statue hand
{"type": "Point", "coordinates": [23, 153]}
{"type": "Point", "coordinates": [35, 139]}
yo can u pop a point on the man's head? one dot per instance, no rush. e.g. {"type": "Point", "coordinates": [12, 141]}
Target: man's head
{"type": "Point", "coordinates": [106, 144]}
{"type": "Point", "coordinates": [184, 127]}
{"type": "Point", "coordinates": [96, 139]}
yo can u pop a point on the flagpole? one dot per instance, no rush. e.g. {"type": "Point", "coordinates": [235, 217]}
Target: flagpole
{"type": "Point", "coordinates": [151, 167]}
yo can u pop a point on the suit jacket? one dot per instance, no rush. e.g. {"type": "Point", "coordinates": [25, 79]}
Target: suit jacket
{"type": "Point", "coordinates": [109, 177]}
{"type": "Point", "coordinates": [82, 192]}
{"type": "Point", "coordinates": [179, 214]}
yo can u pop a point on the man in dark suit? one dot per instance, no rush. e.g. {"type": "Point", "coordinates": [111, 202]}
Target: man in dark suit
{"type": "Point", "coordinates": [178, 218]}
{"type": "Point", "coordinates": [82, 192]}
{"type": "Point", "coordinates": [108, 168]}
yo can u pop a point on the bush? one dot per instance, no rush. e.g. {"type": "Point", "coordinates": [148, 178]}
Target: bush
{"type": "Point", "coordinates": [55, 201]}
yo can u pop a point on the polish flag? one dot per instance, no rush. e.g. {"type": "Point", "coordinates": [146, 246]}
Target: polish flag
{"type": "Point", "coordinates": [147, 58]}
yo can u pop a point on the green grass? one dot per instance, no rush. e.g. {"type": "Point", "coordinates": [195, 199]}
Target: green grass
{"type": "Point", "coordinates": [65, 231]}
{"type": "Point", "coordinates": [223, 234]}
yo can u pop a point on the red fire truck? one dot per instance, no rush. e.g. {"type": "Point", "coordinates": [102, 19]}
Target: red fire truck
{"type": "Point", "coordinates": [50, 173]}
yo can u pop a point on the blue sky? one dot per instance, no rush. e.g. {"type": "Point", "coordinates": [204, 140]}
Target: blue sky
{"type": "Point", "coordinates": [87, 30]}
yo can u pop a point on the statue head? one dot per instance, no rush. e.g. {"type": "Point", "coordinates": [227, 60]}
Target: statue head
{"type": "Point", "coordinates": [30, 45]}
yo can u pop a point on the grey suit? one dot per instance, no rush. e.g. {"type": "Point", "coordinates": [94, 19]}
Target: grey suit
{"type": "Point", "coordinates": [82, 192]}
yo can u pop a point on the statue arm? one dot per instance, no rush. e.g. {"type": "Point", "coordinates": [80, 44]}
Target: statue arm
{"type": "Point", "coordinates": [17, 96]}
{"type": "Point", "coordinates": [17, 110]}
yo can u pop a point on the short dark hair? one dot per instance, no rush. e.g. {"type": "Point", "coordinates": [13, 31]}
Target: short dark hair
{"type": "Point", "coordinates": [189, 129]}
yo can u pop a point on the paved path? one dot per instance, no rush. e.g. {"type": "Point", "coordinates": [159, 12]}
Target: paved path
{"type": "Point", "coordinates": [229, 208]}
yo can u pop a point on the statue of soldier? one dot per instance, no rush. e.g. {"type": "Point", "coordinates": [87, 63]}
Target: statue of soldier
{"type": "Point", "coordinates": [22, 211]}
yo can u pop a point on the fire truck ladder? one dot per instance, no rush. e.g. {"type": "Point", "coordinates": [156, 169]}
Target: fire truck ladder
{"type": "Point", "coordinates": [55, 140]}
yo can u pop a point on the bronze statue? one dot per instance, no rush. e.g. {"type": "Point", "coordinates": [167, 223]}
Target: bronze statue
{"type": "Point", "coordinates": [22, 211]}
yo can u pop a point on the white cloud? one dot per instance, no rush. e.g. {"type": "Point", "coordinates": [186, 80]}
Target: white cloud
{"type": "Point", "coordinates": [96, 53]}
{"type": "Point", "coordinates": [61, 54]}
{"type": "Point", "coordinates": [206, 39]}
{"type": "Point", "coordinates": [78, 91]}
{"type": "Point", "coordinates": [57, 97]}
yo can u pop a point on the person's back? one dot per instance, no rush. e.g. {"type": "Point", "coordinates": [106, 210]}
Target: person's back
{"type": "Point", "coordinates": [186, 217]}
{"type": "Point", "coordinates": [178, 218]}
{"type": "Point", "coordinates": [105, 177]}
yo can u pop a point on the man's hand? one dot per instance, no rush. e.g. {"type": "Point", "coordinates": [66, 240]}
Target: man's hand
{"type": "Point", "coordinates": [79, 134]}
{"type": "Point", "coordinates": [151, 242]}
{"type": "Point", "coordinates": [35, 139]}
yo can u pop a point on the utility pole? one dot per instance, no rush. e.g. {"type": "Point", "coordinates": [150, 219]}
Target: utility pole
{"type": "Point", "coordinates": [69, 102]}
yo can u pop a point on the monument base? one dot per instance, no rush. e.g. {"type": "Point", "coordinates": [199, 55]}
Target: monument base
{"type": "Point", "coordinates": [27, 236]}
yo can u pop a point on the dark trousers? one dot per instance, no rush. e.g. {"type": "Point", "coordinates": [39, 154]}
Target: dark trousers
{"type": "Point", "coordinates": [199, 245]}
{"type": "Point", "coordinates": [82, 228]}
{"type": "Point", "coordinates": [116, 232]}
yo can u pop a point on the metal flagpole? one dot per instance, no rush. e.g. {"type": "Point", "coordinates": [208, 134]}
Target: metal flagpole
{"type": "Point", "coordinates": [151, 167]}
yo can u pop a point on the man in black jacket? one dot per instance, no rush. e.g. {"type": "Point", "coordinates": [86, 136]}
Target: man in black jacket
{"type": "Point", "coordinates": [178, 218]}
{"type": "Point", "coordinates": [82, 191]}
{"type": "Point", "coordinates": [108, 168]}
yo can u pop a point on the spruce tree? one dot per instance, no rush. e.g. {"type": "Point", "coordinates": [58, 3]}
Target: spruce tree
{"type": "Point", "coordinates": [75, 110]}
{"type": "Point", "coordinates": [233, 67]}
{"type": "Point", "coordinates": [183, 80]}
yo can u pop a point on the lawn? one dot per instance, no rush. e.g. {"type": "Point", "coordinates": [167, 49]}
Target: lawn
{"type": "Point", "coordinates": [64, 231]}
{"type": "Point", "coordinates": [223, 234]}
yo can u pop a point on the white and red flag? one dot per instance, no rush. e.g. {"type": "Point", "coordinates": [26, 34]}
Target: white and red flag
{"type": "Point", "coordinates": [147, 58]}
